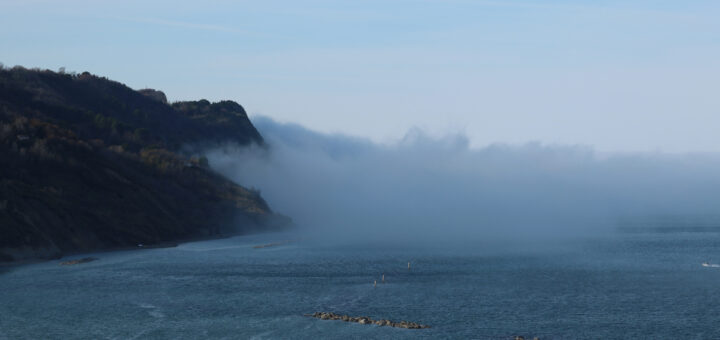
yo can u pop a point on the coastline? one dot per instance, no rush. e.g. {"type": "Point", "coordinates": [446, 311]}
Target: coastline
{"type": "Point", "coordinates": [7, 266]}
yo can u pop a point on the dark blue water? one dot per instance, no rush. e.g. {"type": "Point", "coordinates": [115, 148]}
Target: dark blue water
{"type": "Point", "coordinates": [639, 285]}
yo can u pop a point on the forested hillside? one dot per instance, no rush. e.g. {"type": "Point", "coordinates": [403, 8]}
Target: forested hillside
{"type": "Point", "coordinates": [88, 163]}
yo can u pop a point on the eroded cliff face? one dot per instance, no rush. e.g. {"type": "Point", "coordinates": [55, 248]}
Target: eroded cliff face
{"type": "Point", "coordinates": [155, 94]}
{"type": "Point", "coordinates": [90, 164]}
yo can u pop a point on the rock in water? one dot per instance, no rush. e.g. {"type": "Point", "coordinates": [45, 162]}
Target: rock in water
{"type": "Point", "coordinates": [364, 320]}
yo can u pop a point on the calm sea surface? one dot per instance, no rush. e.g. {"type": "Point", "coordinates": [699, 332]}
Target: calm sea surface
{"type": "Point", "coordinates": [630, 285]}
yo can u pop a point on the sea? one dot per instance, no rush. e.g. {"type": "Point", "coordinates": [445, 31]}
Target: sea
{"type": "Point", "coordinates": [624, 285]}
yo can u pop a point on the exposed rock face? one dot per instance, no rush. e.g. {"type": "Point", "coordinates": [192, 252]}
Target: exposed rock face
{"type": "Point", "coordinates": [364, 320]}
{"type": "Point", "coordinates": [155, 94]}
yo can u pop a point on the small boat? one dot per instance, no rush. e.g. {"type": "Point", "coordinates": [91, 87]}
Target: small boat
{"type": "Point", "coordinates": [708, 264]}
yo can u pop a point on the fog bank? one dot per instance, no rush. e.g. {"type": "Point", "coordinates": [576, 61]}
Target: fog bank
{"type": "Point", "coordinates": [440, 190]}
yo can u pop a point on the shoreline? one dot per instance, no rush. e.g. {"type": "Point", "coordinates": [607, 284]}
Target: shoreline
{"type": "Point", "coordinates": [6, 266]}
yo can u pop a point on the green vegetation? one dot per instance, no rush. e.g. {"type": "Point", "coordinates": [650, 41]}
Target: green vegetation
{"type": "Point", "coordinates": [88, 163]}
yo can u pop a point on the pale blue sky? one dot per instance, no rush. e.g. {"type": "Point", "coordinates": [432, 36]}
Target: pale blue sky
{"type": "Point", "coordinates": [617, 75]}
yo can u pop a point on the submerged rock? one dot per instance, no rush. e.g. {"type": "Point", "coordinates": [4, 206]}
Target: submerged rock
{"type": "Point", "coordinates": [364, 320]}
{"type": "Point", "coordinates": [274, 244]}
{"type": "Point", "coordinates": [78, 261]}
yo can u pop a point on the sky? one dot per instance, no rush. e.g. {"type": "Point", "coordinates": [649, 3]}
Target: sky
{"type": "Point", "coordinates": [617, 76]}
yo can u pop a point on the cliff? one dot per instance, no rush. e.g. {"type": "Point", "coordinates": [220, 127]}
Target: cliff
{"type": "Point", "coordinates": [90, 164]}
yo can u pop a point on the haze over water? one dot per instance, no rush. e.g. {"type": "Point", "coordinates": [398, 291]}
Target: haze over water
{"type": "Point", "coordinates": [427, 190]}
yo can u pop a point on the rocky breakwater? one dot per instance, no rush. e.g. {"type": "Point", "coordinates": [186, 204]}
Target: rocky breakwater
{"type": "Point", "coordinates": [366, 320]}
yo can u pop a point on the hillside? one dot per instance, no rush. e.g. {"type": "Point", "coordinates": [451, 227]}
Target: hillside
{"type": "Point", "coordinates": [90, 164]}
